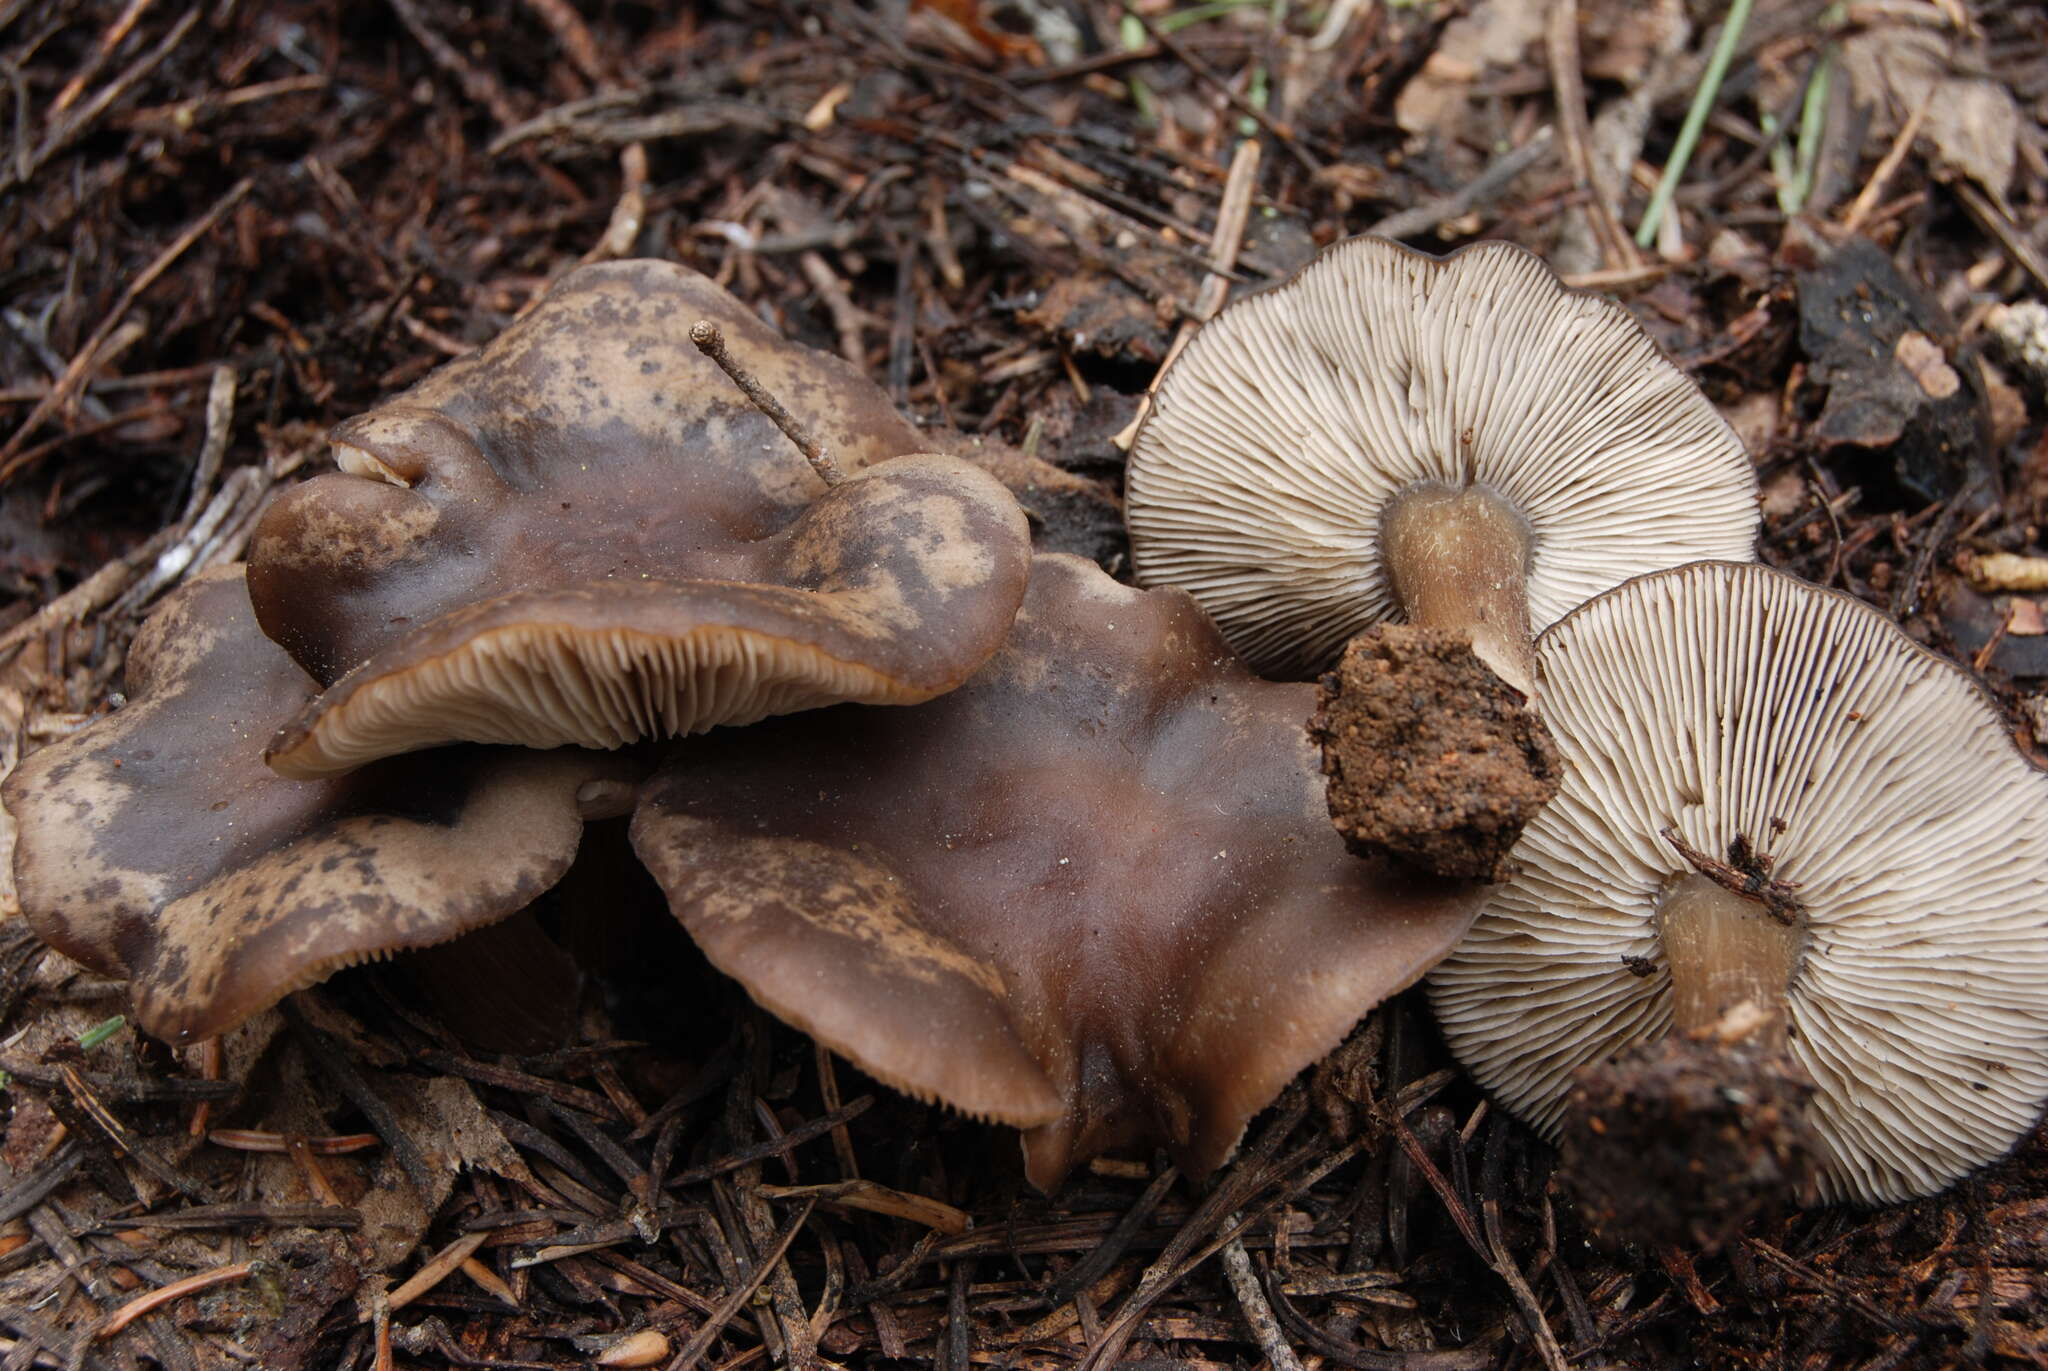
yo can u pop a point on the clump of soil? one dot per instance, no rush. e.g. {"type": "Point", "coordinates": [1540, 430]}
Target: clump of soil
{"type": "Point", "coordinates": [1431, 757]}
{"type": "Point", "coordinates": [1684, 1141]}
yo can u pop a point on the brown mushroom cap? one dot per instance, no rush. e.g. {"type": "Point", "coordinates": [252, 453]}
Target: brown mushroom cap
{"type": "Point", "coordinates": [155, 844]}
{"type": "Point", "coordinates": [586, 534]}
{"type": "Point", "coordinates": [1094, 892]}
{"type": "Point", "coordinates": [589, 441]}
{"type": "Point", "coordinates": [890, 589]}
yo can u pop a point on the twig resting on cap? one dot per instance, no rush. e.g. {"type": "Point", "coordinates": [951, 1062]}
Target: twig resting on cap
{"type": "Point", "coordinates": [711, 342]}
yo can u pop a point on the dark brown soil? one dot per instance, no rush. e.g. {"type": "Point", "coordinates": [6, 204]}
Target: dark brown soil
{"type": "Point", "coordinates": [1431, 757]}
{"type": "Point", "coordinates": [1686, 1141]}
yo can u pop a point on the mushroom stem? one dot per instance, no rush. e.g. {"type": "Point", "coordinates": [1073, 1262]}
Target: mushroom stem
{"type": "Point", "coordinates": [1458, 558]}
{"type": "Point", "coordinates": [711, 342]}
{"type": "Point", "coordinates": [1723, 949]}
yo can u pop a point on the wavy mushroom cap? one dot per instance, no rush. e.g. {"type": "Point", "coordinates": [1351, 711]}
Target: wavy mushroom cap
{"type": "Point", "coordinates": [1277, 442]}
{"type": "Point", "coordinates": [1732, 701]}
{"type": "Point", "coordinates": [154, 844]}
{"type": "Point", "coordinates": [585, 534]}
{"type": "Point", "coordinates": [890, 589]}
{"type": "Point", "coordinates": [1093, 893]}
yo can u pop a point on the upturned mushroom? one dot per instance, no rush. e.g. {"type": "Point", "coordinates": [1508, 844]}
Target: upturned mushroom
{"type": "Point", "coordinates": [1091, 893]}
{"type": "Point", "coordinates": [155, 845]}
{"type": "Point", "coordinates": [1786, 834]}
{"type": "Point", "coordinates": [585, 534]}
{"type": "Point", "coordinates": [1459, 441]}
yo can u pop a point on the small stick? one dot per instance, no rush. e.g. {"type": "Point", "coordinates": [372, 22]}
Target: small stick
{"type": "Point", "coordinates": [630, 213]}
{"type": "Point", "coordinates": [1568, 90]}
{"type": "Point", "coordinates": [94, 592]}
{"type": "Point", "coordinates": [489, 1280]}
{"type": "Point", "coordinates": [1244, 1283]}
{"type": "Point", "coordinates": [209, 1051]}
{"type": "Point", "coordinates": [1483, 188]}
{"type": "Point", "coordinates": [711, 342]}
{"type": "Point", "coordinates": [109, 40]}
{"type": "Point", "coordinates": [309, 1167]}
{"type": "Point", "coordinates": [1999, 225]}
{"type": "Point", "coordinates": [714, 1323]}
{"type": "Point", "coordinates": [577, 44]}
{"type": "Point", "coordinates": [828, 1091]}
{"type": "Point", "coordinates": [1232, 211]}
{"type": "Point", "coordinates": [380, 1323]}
{"type": "Point", "coordinates": [1208, 76]}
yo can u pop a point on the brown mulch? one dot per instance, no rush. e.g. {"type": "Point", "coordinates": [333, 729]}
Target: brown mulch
{"type": "Point", "coordinates": [226, 225]}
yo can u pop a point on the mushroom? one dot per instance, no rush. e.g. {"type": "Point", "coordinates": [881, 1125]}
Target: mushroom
{"type": "Point", "coordinates": [155, 845]}
{"type": "Point", "coordinates": [1092, 893]}
{"type": "Point", "coordinates": [1785, 831]}
{"type": "Point", "coordinates": [1460, 440]}
{"type": "Point", "coordinates": [585, 534]}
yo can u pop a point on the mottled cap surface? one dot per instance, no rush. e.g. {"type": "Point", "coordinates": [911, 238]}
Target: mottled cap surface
{"type": "Point", "coordinates": [1724, 701]}
{"type": "Point", "coordinates": [1093, 893]}
{"type": "Point", "coordinates": [1275, 443]}
{"type": "Point", "coordinates": [584, 533]}
{"type": "Point", "coordinates": [154, 844]}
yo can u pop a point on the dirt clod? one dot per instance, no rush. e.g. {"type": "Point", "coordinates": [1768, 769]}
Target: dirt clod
{"type": "Point", "coordinates": [1685, 1141]}
{"type": "Point", "coordinates": [1431, 757]}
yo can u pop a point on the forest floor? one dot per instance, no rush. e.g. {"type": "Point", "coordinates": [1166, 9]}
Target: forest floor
{"type": "Point", "coordinates": [225, 226]}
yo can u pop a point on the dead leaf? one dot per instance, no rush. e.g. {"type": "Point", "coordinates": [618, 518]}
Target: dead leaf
{"type": "Point", "coordinates": [878, 1199]}
{"type": "Point", "coordinates": [1754, 417]}
{"type": "Point", "coordinates": [959, 26]}
{"type": "Point", "coordinates": [458, 1133]}
{"type": "Point", "coordinates": [444, 1120]}
{"type": "Point", "coordinates": [1624, 40]}
{"type": "Point", "coordinates": [1872, 336]}
{"type": "Point", "coordinates": [1980, 627]}
{"type": "Point", "coordinates": [1784, 494]}
{"type": "Point", "coordinates": [1972, 121]}
{"type": "Point", "coordinates": [1497, 33]}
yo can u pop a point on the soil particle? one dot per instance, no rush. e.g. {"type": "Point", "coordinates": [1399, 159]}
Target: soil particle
{"type": "Point", "coordinates": [1431, 757]}
{"type": "Point", "coordinates": [1685, 1141]}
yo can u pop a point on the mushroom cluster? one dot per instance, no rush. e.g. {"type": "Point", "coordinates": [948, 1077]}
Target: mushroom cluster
{"type": "Point", "coordinates": [156, 846]}
{"type": "Point", "coordinates": [1003, 832]}
{"type": "Point", "coordinates": [581, 534]}
{"type": "Point", "coordinates": [1784, 830]}
{"type": "Point", "coordinates": [1016, 838]}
